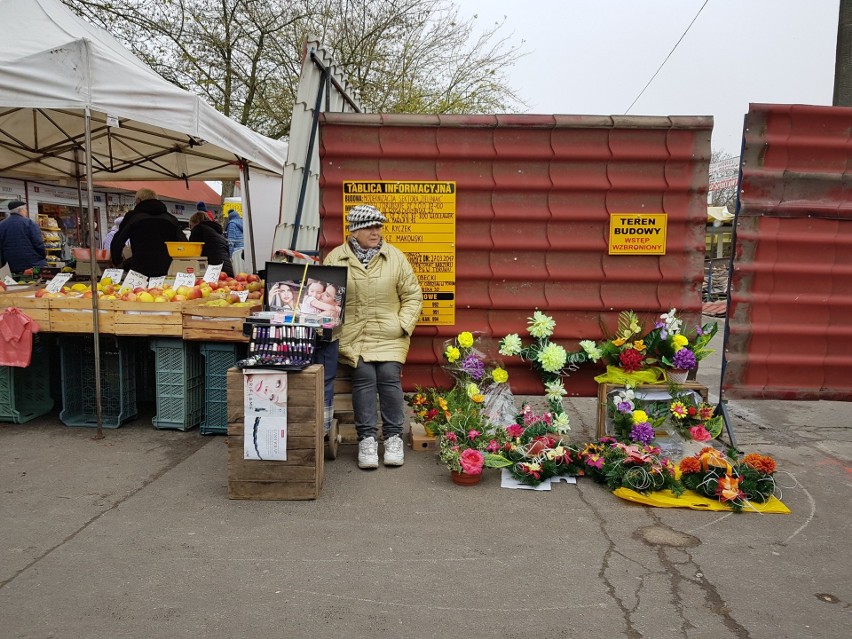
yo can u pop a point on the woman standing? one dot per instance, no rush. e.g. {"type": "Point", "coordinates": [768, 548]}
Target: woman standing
{"type": "Point", "coordinates": [215, 245]}
{"type": "Point", "coordinates": [383, 301]}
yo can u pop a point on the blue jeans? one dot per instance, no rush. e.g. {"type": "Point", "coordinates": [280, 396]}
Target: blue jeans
{"type": "Point", "coordinates": [326, 354]}
{"type": "Point", "coordinates": [368, 379]}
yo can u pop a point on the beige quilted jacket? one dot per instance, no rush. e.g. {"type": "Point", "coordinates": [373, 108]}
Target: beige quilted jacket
{"type": "Point", "coordinates": [383, 304]}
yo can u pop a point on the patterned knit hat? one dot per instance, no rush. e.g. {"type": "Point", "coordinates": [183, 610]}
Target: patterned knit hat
{"type": "Point", "coordinates": [364, 216]}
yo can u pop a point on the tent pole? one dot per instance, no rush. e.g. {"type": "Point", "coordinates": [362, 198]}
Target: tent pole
{"type": "Point", "coordinates": [245, 170]}
{"type": "Point", "coordinates": [93, 265]}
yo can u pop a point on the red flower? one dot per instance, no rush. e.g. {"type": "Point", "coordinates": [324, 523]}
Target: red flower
{"type": "Point", "coordinates": [692, 411]}
{"type": "Point", "coordinates": [631, 360]}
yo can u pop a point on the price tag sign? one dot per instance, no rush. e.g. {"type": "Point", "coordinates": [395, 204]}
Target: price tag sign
{"type": "Point", "coordinates": [114, 274]}
{"type": "Point", "coordinates": [55, 285]}
{"type": "Point", "coordinates": [9, 281]}
{"type": "Point", "coordinates": [135, 280]}
{"type": "Point", "coordinates": [157, 282]}
{"type": "Point", "coordinates": [243, 295]}
{"type": "Point", "coordinates": [212, 273]}
{"type": "Point", "coordinates": [184, 279]}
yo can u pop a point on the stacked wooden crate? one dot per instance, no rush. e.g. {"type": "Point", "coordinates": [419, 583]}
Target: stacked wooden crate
{"type": "Point", "coordinates": [301, 476]}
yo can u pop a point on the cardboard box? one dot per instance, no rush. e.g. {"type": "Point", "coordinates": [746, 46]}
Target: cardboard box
{"type": "Point", "coordinates": [606, 389]}
{"type": "Point", "coordinates": [420, 441]}
{"type": "Point", "coordinates": [301, 476]}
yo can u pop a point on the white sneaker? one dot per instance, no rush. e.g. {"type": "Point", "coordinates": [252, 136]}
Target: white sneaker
{"type": "Point", "coordinates": [368, 453]}
{"type": "Point", "coordinates": [394, 453]}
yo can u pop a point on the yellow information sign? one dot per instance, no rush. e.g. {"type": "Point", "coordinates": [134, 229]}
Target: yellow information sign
{"type": "Point", "coordinates": [637, 233]}
{"type": "Point", "coordinates": [421, 224]}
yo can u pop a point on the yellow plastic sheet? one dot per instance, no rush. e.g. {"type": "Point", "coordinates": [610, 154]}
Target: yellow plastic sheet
{"type": "Point", "coordinates": [691, 499]}
{"type": "Point", "coordinates": [616, 375]}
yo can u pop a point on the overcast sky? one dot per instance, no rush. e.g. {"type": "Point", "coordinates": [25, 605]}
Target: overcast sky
{"type": "Point", "coordinates": [595, 56]}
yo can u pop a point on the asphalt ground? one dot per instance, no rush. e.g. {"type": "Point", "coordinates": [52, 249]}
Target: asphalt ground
{"type": "Point", "coordinates": [134, 536]}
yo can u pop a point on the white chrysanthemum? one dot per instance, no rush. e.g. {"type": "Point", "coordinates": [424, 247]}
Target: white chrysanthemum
{"type": "Point", "coordinates": [541, 325]}
{"type": "Point", "coordinates": [555, 390]}
{"type": "Point", "coordinates": [591, 349]}
{"type": "Point", "coordinates": [511, 345]}
{"type": "Point", "coordinates": [561, 422]}
{"type": "Point", "coordinates": [552, 358]}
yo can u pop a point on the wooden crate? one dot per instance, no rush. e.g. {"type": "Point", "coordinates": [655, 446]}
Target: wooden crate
{"type": "Point", "coordinates": [605, 389]}
{"type": "Point", "coordinates": [215, 323]}
{"type": "Point", "coordinates": [74, 315]}
{"type": "Point", "coordinates": [37, 308]}
{"type": "Point", "coordinates": [161, 319]}
{"type": "Point", "coordinates": [420, 441]}
{"type": "Point", "coordinates": [301, 476]}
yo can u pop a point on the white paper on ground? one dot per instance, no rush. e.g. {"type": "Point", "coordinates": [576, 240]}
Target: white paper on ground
{"type": "Point", "coordinates": [507, 481]}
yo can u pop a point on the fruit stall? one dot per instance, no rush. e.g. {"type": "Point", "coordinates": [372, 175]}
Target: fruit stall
{"type": "Point", "coordinates": [169, 341]}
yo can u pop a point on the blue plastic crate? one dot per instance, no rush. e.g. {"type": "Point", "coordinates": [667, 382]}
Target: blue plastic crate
{"type": "Point", "coordinates": [118, 380]}
{"type": "Point", "coordinates": [180, 384]}
{"type": "Point", "coordinates": [218, 358]}
{"type": "Point", "coordinates": [25, 393]}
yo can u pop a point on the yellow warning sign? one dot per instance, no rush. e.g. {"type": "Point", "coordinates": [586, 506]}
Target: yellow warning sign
{"type": "Point", "coordinates": [421, 224]}
{"type": "Point", "coordinates": [637, 233]}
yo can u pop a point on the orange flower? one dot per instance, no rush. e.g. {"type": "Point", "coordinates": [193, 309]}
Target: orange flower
{"type": "Point", "coordinates": [729, 489]}
{"type": "Point", "coordinates": [712, 459]}
{"type": "Point", "coordinates": [690, 465]}
{"type": "Point", "coordinates": [760, 463]}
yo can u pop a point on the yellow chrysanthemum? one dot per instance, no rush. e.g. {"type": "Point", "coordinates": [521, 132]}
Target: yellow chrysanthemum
{"type": "Point", "coordinates": [452, 354]}
{"type": "Point", "coordinates": [678, 342]}
{"type": "Point", "coordinates": [500, 375]}
{"type": "Point", "coordinates": [639, 416]}
{"type": "Point", "coordinates": [465, 339]}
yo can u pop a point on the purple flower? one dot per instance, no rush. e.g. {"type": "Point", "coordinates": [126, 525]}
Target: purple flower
{"type": "Point", "coordinates": [642, 432]}
{"type": "Point", "coordinates": [473, 367]}
{"type": "Point", "coordinates": [684, 359]}
{"type": "Point", "coordinates": [699, 331]}
{"type": "Point", "coordinates": [624, 407]}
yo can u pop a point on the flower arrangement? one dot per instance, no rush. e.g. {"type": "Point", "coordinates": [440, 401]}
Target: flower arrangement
{"type": "Point", "coordinates": [483, 381]}
{"type": "Point", "coordinates": [550, 360]}
{"type": "Point", "coordinates": [639, 467]}
{"type": "Point", "coordinates": [433, 407]}
{"type": "Point", "coordinates": [627, 349]}
{"type": "Point", "coordinates": [694, 420]}
{"type": "Point", "coordinates": [737, 484]}
{"type": "Point", "coordinates": [629, 422]}
{"type": "Point", "coordinates": [674, 348]}
{"type": "Point", "coordinates": [536, 451]}
{"type": "Point", "coordinates": [468, 441]}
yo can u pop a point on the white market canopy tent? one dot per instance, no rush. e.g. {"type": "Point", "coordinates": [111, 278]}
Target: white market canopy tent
{"type": "Point", "coordinates": [54, 65]}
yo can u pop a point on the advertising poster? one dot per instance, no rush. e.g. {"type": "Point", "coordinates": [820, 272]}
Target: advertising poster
{"type": "Point", "coordinates": [265, 414]}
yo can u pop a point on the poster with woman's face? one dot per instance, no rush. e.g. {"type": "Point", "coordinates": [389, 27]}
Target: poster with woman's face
{"type": "Point", "coordinates": [265, 415]}
{"type": "Point", "coordinates": [313, 290]}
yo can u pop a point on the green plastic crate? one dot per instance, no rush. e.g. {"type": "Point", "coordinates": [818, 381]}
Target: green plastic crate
{"type": "Point", "coordinates": [180, 384]}
{"type": "Point", "coordinates": [118, 380]}
{"type": "Point", "coordinates": [25, 392]}
{"type": "Point", "coordinates": [218, 358]}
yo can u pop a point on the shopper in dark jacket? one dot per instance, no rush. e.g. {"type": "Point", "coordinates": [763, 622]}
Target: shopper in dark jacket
{"type": "Point", "coordinates": [148, 227]}
{"type": "Point", "coordinates": [21, 243]}
{"type": "Point", "coordinates": [215, 245]}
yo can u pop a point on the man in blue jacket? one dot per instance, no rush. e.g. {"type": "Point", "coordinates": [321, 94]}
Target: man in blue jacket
{"type": "Point", "coordinates": [21, 243]}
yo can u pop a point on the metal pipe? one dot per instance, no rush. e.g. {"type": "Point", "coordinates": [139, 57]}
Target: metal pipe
{"type": "Point", "coordinates": [244, 167]}
{"type": "Point", "coordinates": [306, 173]}
{"type": "Point", "coordinates": [90, 196]}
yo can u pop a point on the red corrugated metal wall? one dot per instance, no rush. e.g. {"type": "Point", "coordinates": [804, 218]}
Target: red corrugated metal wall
{"type": "Point", "coordinates": [534, 194]}
{"type": "Point", "coordinates": [790, 313]}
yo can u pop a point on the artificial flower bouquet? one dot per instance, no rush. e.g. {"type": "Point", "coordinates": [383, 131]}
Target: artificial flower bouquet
{"type": "Point", "coordinates": [536, 449]}
{"type": "Point", "coordinates": [638, 466]}
{"type": "Point", "coordinates": [627, 349]}
{"type": "Point", "coordinates": [478, 377]}
{"type": "Point", "coordinates": [675, 348]}
{"type": "Point", "coordinates": [432, 407]}
{"type": "Point", "coordinates": [468, 441]}
{"type": "Point", "coordinates": [735, 483]}
{"type": "Point", "coordinates": [694, 419]}
{"type": "Point", "coordinates": [550, 360]}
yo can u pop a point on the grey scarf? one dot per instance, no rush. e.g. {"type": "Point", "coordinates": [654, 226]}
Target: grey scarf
{"type": "Point", "coordinates": [364, 255]}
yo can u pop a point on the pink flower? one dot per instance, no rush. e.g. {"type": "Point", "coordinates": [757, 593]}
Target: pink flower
{"type": "Point", "coordinates": [493, 446]}
{"type": "Point", "coordinates": [515, 430]}
{"type": "Point", "coordinates": [451, 437]}
{"type": "Point", "coordinates": [472, 461]}
{"type": "Point", "coordinates": [473, 434]}
{"type": "Point", "coordinates": [700, 434]}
